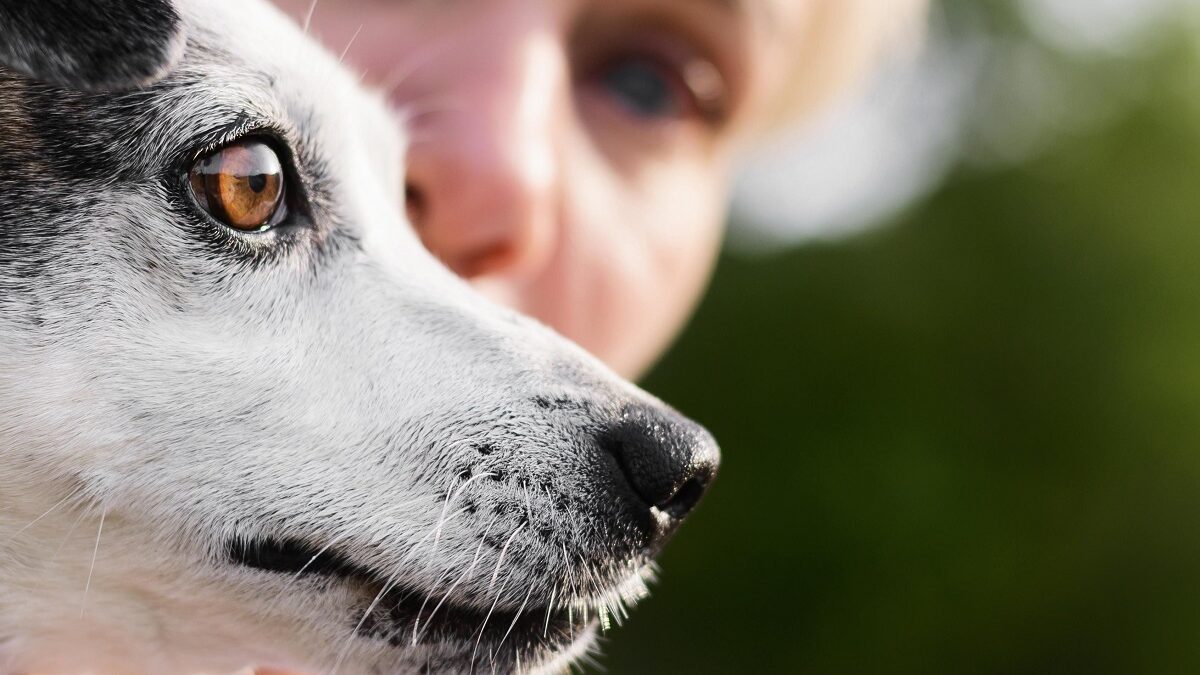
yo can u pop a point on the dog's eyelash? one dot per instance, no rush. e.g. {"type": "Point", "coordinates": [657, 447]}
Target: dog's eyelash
{"type": "Point", "coordinates": [245, 127]}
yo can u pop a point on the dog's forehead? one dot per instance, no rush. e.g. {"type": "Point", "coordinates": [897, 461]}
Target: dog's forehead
{"type": "Point", "coordinates": [250, 54]}
{"type": "Point", "coordinates": [245, 67]}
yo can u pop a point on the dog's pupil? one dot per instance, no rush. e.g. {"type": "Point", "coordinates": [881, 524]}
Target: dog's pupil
{"type": "Point", "coordinates": [257, 182]}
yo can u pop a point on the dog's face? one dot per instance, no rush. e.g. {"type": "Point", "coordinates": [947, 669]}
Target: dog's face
{"type": "Point", "coordinates": [300, 443]}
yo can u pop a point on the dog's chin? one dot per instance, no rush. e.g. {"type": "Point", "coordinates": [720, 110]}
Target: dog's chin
{"type": "Point", "coordinates": [441, 631]}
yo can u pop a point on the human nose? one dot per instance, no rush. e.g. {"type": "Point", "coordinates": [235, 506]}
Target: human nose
{"type": "Point", "coordinates": [483, 181]}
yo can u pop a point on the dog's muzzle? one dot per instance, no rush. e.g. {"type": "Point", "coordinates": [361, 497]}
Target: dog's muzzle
{"type": "Point", "coordinates": [618, 486]}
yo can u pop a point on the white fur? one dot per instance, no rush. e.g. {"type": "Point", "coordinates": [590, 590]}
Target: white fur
{"type": "Point", "coordinates": [169, 403]}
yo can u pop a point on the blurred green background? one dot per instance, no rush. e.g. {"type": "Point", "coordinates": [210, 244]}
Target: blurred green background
{"type": "Point", "coordinates": [966, 441]}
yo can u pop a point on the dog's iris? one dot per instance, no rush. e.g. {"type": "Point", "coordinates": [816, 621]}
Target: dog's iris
{"type": "Point", "coordinates": [240, 185]}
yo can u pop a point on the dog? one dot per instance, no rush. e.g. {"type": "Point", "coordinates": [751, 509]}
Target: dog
{"type": "Point", "coordinates": [245, 418]}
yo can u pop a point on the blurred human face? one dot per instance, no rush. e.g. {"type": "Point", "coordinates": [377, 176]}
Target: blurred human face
{"type": "Point", "coordinates": [570, 157]}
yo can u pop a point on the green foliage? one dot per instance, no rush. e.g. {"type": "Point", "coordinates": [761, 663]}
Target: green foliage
{"type": "Point", "coordinates": [967, 443]}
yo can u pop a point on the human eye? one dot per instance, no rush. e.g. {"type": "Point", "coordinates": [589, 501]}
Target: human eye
{"type": "Point", "coordinates": [644, 87]}
{"type": "Point", "coordinates": [658, 77]}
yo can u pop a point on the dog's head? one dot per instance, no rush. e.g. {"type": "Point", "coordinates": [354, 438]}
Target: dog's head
{"type": "Point", "coordinates": [244, 416]}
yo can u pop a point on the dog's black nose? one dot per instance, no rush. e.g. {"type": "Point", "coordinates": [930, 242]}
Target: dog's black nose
{"type": "Point", "coordinates": [667, 462]}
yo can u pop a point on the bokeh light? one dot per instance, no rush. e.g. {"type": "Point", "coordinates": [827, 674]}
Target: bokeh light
{"type": "Point", "coordinates": [955, 384]}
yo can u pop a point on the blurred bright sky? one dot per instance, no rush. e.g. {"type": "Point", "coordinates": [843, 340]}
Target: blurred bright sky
{"type": "Point", "coordinates": [971, 96]}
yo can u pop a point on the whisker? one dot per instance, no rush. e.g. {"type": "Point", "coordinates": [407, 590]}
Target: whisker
{"type": "Point", "coordinates": [499, 592]}
{"type": "Point", "coordinates": [483, 626]}
{"type": "Point", "coordinates": [512, 625]}
{"type": "Point", "coordinates": [65, 539]}
{"type": "Point", "coordinates": [504, 550]}
{"type": "Point", "coordinates": [370, 520]}
{"type": "Point", "coordinates": [387, 586]}
{"type": "Point", "coordinates": [346, 49]}
{"type": "Point", "coordinates": [87, 587]}
{"type": "Point", "coordinates": [474, 563]}
{"type": "Point", "coordinates": [451, 498]}
{"type": "Point", "coordinates": [549, 611]}
{"type": "Point", "coordinates": [528, 505]}
{"type": "Point", "coordinates": [405, 69]}
{"type": "Point", "coordinates": [333, 542]}
{"type": "Point", "coordinates": [437, 530]}
{"type": "Point", "coordinates": [445, 576]}
{"type": "Point", "coordinates": [572, 583]}
{"type": "Point", "coordinates": [308, 17]}
{"type": "Point", "coordinates": [50, 510]}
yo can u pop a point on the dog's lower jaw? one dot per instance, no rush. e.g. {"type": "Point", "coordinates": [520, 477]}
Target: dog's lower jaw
{"type": "Point", "coordinates": [119, 633]}
{"type": "Point", "coordinates": [85, 591]}
{"type": "Point", "coordinates": [82, 591]}
{"type": "Point", "coordinates": [111, 631]}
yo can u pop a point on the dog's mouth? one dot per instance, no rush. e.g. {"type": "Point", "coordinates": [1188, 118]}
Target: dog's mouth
{"type": "Point", "coordinates": [406, 616]}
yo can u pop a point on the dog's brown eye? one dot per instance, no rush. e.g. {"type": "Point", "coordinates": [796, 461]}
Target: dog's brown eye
{"type": "Point", "coordinates": [241, 185]}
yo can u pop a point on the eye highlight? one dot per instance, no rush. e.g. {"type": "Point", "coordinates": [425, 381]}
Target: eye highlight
{"type": "Point", "coordinates": [241, 185]}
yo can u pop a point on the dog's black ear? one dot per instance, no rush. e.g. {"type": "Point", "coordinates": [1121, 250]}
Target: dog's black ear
{"type": "Point", "coordinates": [90, 44]}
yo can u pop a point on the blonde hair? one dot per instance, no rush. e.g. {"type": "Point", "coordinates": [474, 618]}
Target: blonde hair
{"type": "Point", "coordinates": [841, 42]}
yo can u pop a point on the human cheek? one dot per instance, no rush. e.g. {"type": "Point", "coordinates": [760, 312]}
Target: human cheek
{"type": "Point", "coordinates": [660, 261]}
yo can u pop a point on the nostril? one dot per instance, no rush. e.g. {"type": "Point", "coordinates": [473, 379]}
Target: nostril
{"type": "Point", "coordinates": [685, 498]}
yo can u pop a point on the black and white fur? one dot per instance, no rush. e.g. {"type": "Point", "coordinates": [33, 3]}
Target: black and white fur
{"type": "Point", "coordinates": [311, 448]}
